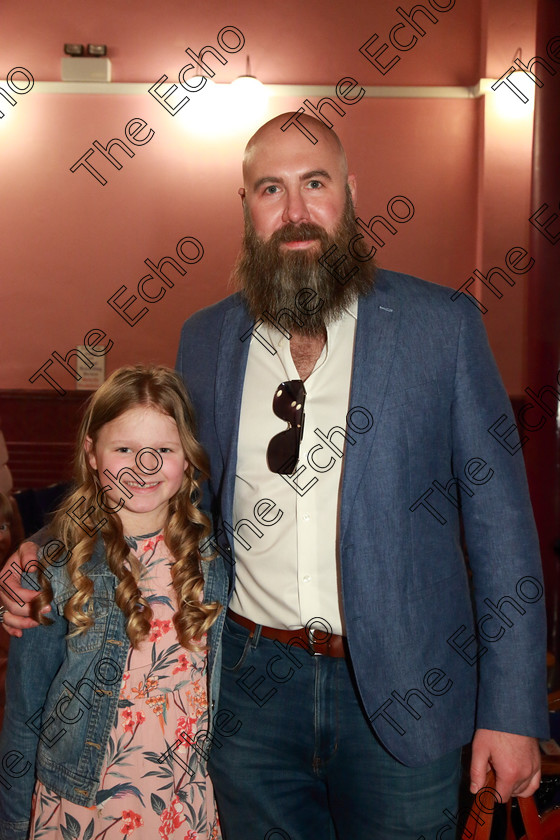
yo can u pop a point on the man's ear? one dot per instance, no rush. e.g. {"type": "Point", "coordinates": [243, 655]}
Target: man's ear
{"type": "Point", "coordinates": [90, 452]}
{"type": "Point", "coordinates": [352, 183]}
{"type": "Point", "coordinates": [241, 192]}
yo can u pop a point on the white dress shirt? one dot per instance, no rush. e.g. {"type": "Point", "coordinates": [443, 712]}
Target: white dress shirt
{"type": "Point", "coordinates": [286, 526]}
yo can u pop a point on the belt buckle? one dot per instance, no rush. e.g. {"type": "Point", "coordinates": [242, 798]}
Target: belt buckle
{"type": "Point", "coordinates": [311, 641]}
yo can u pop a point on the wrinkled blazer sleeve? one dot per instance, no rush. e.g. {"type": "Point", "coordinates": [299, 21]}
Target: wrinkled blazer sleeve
{"type": "Point", "coordinates": [502, 543]}
{"type": "Point", "coordinates": [432, 461]}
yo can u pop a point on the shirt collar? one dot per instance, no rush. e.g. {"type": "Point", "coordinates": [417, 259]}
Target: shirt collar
{"type": "Point", "coordinates": [352, 309]}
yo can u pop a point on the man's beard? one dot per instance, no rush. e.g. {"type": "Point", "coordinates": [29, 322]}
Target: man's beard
{"type": "Point", "coordinates": [271, 278]}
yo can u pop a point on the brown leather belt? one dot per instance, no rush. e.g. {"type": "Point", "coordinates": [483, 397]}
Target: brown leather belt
{"type": "Point", "coordinates": [328, 644]}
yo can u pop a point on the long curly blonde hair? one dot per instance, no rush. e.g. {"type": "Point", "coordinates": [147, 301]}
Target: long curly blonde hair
{"type": "Point", "coordinates": [129, 387]}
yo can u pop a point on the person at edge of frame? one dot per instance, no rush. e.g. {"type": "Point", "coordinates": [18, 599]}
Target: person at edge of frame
{"type": "Point", "coordinates": [349, 654]}
{"type": "Point", "coordinates": [11, 535]}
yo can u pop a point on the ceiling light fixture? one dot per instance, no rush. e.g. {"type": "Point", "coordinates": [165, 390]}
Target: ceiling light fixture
{"type": "Point", "coordinates": [249, 93]}
{"type": "Point", "coordinates": [514, 98]}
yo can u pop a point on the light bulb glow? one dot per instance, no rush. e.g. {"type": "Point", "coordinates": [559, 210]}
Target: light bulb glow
{"type": "Point", "coordinates": [221, 109]}
{"type": "Point", "coordinates": [514, 97]}
{"type": "Point", "coordinates": [249, 95]}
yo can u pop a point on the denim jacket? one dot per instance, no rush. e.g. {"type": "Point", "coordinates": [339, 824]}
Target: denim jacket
{"type": "Point", "coordinates": [62, 694]}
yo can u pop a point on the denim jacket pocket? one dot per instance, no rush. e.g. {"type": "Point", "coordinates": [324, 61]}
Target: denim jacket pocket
{"type": "Point", "coordinates": [92, 638]}
{"type": "Point", "coordinates": [98, 608]}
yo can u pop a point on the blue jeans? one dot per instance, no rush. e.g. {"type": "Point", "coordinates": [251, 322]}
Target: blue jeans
{"type": "Point", "coordinates": [303, 762]}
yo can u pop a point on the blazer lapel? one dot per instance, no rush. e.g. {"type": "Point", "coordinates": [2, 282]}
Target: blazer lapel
{"type": "Point", "coordinates": [374, 350]}
{"type": "Point", "coordinates": [376, 336]}
{"type": "Point", "coordinates": [232, 361]}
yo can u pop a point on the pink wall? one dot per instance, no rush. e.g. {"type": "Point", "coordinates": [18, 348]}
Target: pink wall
{"type": "Point", "coordinates": [69, 243]}
{"type": "Point", "coordinates": [291, 42]}
{"type": "Point", "coordinates": [505, 188]}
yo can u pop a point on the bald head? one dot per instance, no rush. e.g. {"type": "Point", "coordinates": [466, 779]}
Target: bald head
{"type": "Point", "coordinates": [271, 134]}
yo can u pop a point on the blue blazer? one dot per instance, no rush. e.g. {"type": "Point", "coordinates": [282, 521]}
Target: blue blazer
{"type": "Point", "coordinates": [429, 668]}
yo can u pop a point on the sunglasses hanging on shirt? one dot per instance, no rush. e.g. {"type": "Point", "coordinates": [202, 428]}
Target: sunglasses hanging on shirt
{"type": "Point", "coordinates": [283, 450]}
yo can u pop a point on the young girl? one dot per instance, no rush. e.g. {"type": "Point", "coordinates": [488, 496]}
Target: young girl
{"type": "Point", "coordinates": [109, 702]}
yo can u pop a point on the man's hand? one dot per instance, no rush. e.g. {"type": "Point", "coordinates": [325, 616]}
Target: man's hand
{"type": "Point", "coordinates": [515, 758]}
{"type": "Point", "coordinates": [16, 617]}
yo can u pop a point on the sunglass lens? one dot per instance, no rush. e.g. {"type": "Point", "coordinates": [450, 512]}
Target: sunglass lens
{"type": "Point", "coordinates": [288, 400]}
{"type": "Point", "coordinates": [283, 451]}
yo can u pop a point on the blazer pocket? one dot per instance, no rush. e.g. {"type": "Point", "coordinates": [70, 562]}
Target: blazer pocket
{"type": "Point", "coordinates": [458, 579]}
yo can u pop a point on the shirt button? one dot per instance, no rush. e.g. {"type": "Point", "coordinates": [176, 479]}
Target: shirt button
{"type": "Point", "coordinates": [306, 578]}
{"type": "Point", "coordinates": [306, 517]}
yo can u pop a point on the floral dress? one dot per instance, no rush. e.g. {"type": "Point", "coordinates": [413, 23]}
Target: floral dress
{"type": "Point", "coordinates": [163, 700]}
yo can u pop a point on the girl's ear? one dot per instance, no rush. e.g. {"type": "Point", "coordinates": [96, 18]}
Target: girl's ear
{"type": "Point", "coordinates": [90, 452]}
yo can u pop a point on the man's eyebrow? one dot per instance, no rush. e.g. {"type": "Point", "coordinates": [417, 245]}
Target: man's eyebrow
{"type": "Point", "coordinates": [270, 179]}
{"type": "Point", "coordinates": [266, 179]}
{"type": "Point", "coordinates": [313, 174]}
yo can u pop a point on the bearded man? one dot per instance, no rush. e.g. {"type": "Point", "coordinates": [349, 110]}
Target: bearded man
{"type": "Point", "coordinates": [350, 672]}
{"type": "Point", "coordinates": [346, 657]}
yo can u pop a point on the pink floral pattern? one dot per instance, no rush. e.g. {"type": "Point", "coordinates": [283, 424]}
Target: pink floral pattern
{"type": "Point", "coordinates": [141, 796]}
